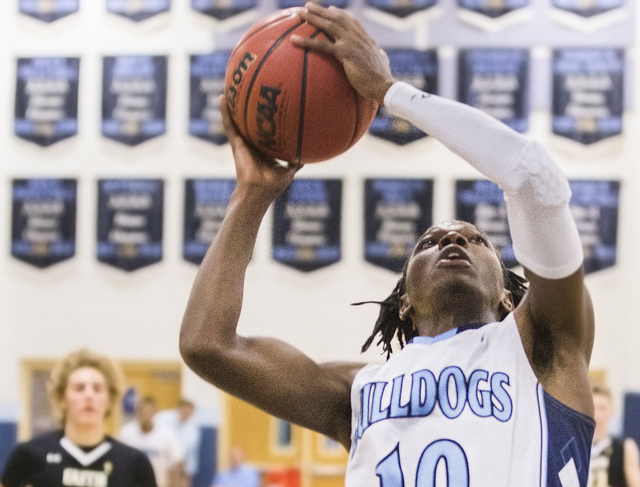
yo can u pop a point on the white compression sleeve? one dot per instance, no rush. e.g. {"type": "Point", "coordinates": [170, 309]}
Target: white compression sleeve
{"type": "Point", "coordinates": [545, 237]}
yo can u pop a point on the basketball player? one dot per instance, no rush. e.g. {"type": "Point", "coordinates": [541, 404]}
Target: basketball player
{"type": "Point", "coordinates": [84, 389]}
{"type": "Point", "coordinates": [615, 462]}
{"type": "Point", "coordinates": [487, 394]}
{"type": "Point", "coordinates": [159, 442]}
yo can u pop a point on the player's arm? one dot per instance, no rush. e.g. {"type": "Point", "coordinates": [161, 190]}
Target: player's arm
{"type": "Point", "coordinates": [176, 455]}
{"type": "Point", "coordinates": [556, 318]}
{"type": "Point", "coordinates": [176, 474]}
{"type": "Point", "coordinates": [265, 372]}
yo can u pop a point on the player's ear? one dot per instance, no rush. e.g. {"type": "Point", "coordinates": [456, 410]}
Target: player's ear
{"type": "Point", "coordinates": [506, 305]}
{"type": "Point", "coordinates": [406, 309]}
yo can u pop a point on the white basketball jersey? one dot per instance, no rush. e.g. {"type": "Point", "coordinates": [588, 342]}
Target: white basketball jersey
{"type": "Point", "coordinates": [463, 409]}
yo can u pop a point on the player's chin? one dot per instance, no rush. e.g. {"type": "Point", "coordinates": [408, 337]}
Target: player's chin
{"type": "Point", "coordinates": [90, 418]}
{"type": "Point", "coordinates": [455, 282]}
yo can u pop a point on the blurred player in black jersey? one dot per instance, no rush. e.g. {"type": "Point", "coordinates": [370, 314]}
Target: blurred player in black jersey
{"type": "Point", "coordinates": [84, 389]}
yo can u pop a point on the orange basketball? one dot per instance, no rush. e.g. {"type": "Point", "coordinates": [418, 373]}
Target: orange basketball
{"type": "Point", "coordinates": [294, 104]}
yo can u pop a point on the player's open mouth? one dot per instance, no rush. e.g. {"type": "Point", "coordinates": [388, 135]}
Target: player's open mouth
{"type": "Point", "coordinates": [454, 257]}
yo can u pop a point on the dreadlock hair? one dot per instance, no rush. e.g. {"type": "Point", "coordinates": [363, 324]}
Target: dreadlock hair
{"type": "Point", "coordinates": [389, 323]}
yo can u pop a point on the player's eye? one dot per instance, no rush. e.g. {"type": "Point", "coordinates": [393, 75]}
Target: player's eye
{"type": "Point", "coordinates": [426, 242]}
{"type": "Point", "coordinates": [479, 239]}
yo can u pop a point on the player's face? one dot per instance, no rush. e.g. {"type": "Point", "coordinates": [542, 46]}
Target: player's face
{"type": "Point", "coordinates": [86, 399]}
{"type": "Point", "coordinates": [145, 413]}
{"type": "Point", "coordinates": [602, 412]}
{"type": "Point", "coordinates": [454, 257]}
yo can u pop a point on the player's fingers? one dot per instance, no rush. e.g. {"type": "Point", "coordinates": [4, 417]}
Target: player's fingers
{"type": "Point", "coordinates": [331, 13]}
{"type": "Point", "coordinates": [333, 21]}
{"type": "Point", "coordinates": [229, 125]}
{"type": "Point", "coordinates": [313, 44]}
{"type": "Point", "coordinates": [319, 10]}
{"type": "Point", "coordinates": [237, 142]}
{"type": "Point", "coordinates": [322, 23]}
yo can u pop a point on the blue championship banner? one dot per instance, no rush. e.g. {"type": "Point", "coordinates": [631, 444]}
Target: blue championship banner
{"type": "Point", "coordinates": [587, 9]}
{"type": "Point", "coordinates": [306, 224]}
{"type": "Point", "coordinates": [401, 8]}
{"type": "Point", "coordinates": [130, 213]}
{"type": "Point", "coordinates": [43, 228]}
{"type": "Point", "coordinates": [481, 202]}
{"type": "Point", "coordinates": [493, 8]}
{"type": "Point", "coordinates": [206, 85]}
{"type": "Point", "coordinates": [594, 206]}
{"type": "Point", "coordinates": [134, 98]}
{"type": "Point", "coordinates": [222, 10]}
{"type": "Point", "coordinates": [496, 81]}
{"type": "Point", "coordinates": [588, 100]}
{"type": "Point", "coordinates": [419, 69]}
{"type": "Point", "coordinates": [48, 10]}
{"type": "Point", "coordinates": [46, 109]}
{"type": "Point", "coordinates": [138, 10]}
{"type": "Point", "coordinates": [397, 212]}
{"type": "Point", "coordinates": [205, 204]}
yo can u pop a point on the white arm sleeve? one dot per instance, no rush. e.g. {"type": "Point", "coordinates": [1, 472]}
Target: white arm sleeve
{"type": "Point", "coordinates": [545, 237]}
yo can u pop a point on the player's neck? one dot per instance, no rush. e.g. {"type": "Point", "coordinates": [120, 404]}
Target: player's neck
{"type": "Point", "coordinates": [450, 308]}
{"type": "Point", "coordinates": [442, 320]}
{"type": "Point", "coordinates": [84, 435]}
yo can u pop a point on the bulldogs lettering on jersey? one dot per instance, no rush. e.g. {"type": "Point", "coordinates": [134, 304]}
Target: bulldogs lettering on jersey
{"type": "Point", "coordinates": [463, 409]}
{"type": "Point", "coordinates": [428, 393]}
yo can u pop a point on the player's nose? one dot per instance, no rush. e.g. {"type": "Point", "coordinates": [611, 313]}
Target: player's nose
{"type": "Point", "coordinates": [453, 237]}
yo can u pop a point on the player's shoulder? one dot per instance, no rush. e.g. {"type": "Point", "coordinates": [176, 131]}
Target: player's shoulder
{"type": "Point", "coordinates": [38, 450]}
{"type": "Point", "coordinates": [42, 443]}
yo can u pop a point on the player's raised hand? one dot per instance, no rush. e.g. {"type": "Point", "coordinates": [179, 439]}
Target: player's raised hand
{"type": "Point", "coordinates": [256, 172]}
{"type": "Point", "coordinates": [366, 65]}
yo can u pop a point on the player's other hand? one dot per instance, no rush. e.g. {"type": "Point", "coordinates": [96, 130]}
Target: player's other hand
{"type": "Point", "coordinates": [366, 65]}
{"type": "Point", "coordinates": [259, 175]}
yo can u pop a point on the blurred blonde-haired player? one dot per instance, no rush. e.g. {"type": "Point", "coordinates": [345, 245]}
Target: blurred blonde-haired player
{"type": "Point", "coordinates": [615, 462]}
{"type": "Point", "coordinates": [84, 389]}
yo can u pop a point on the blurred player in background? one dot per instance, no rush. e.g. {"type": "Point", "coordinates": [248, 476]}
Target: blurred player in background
{"type": "Point", "coordinates": [615, 462]}
{"type": "Point", "coordinates": [493, 388]}
{"type": "Point", "coordinates": [181, 420]}
{"type": "Point", "coordinates": [85, 388]}
{"type": "Point", "coordinates": [158, 442]}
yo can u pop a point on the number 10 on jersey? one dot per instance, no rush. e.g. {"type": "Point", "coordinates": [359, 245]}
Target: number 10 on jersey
{"type": "Point", "coordinates": [389, 470]}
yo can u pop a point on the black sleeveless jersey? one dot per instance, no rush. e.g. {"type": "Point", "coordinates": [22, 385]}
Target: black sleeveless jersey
{"type": "Point", "coordinates": [51, 460]}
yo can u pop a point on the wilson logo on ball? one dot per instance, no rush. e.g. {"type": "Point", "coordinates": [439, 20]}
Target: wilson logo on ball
{"type": "Point", "coordinates": [232, 91]}
{"type": "Point", "coordinates": [266, 116]}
